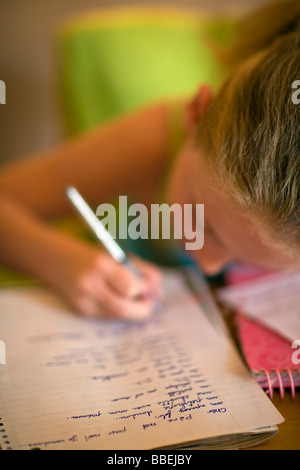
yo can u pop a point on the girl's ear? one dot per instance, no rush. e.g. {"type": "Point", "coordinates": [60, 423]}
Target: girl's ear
{"type": "Point", "coordinates": [197, 106]}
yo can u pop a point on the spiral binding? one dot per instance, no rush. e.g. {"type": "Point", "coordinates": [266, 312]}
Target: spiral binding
{"type": "Point", "coordinates": [4, 442]}
{"type": "Point", "coordinates": [281, 379]}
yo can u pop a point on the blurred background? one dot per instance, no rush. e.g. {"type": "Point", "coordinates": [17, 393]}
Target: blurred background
{"type": "Point", "coordinates": [31, 120]}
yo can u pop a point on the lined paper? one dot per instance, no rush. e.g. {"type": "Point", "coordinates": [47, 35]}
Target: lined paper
{"type": "Point", "coordinates": [73, 383]}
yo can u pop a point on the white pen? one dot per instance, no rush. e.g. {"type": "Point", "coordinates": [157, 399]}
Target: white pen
{"type": "Point", "coordinates": [103, 235]}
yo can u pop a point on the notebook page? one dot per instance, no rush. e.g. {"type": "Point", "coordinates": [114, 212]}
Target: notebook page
{"type": "Point", "coordinates": [73, 383]}
{"type": "Point", "coordinates": [274, 301]}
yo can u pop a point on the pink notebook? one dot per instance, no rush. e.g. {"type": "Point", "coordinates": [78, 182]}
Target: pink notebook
{"type": "Point", "coordinates": [268, 355]}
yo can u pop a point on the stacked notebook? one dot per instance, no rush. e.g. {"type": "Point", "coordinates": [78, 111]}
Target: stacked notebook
{"type": "Point", "coordinates": [268, 321]}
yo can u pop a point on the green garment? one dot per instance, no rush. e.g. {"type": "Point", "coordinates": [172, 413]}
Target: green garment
{"type": "Point", "coordinates": [113, 62]}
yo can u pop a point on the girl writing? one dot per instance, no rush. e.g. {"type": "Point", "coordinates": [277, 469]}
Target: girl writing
{"type": "Point", "coordinates": [240, 157]}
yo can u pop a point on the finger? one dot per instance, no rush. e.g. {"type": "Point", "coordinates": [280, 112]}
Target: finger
{"type": "Point", "coordinates": [126, 282]}
{"type": "Point", "coordinates": [151, 273]}
{"type": "Point", "coordinates": [87, 306]}
{"type": "Point", "coordinates": [128, 309]}
{"type": "Point", "coordinates": [113, 305]}
{"type": "Point", "coordinates": [99, 299]}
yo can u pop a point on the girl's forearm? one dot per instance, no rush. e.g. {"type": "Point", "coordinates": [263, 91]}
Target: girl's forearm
{"type": "Point", "coordinates": [88, 278]}
{"type": "Point", "coordinates": [30, 245]}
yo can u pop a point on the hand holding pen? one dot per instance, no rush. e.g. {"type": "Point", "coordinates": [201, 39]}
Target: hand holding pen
{"type": "Point", "coordinates": [129, 285]}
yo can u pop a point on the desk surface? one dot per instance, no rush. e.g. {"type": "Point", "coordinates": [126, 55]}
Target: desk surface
{"type": "Point", "coordinates": [288, 437]}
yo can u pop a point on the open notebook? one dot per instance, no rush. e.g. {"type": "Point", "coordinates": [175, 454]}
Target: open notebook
{"type": "Point", "coordinates": [173, 381]}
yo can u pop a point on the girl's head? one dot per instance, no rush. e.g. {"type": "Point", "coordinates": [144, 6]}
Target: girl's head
{"type": "Point", "coordinates": [248, 148]}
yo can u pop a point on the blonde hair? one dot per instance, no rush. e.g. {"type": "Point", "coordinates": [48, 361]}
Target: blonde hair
{"type": "Point", "coordinates": [251, 132]}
